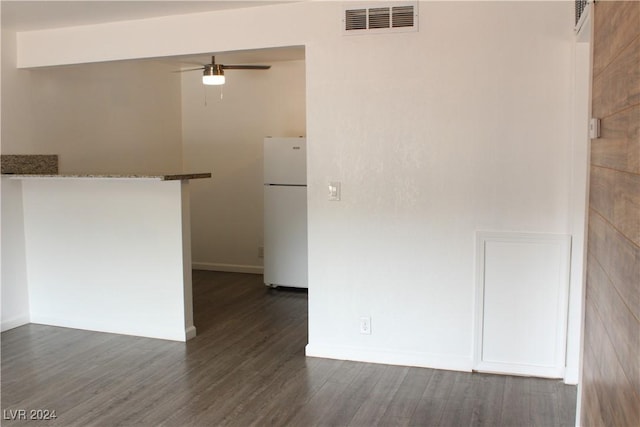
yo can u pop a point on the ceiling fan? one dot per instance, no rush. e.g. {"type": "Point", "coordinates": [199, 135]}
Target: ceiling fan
{"type": "Point", "coordinates": [214, 73]}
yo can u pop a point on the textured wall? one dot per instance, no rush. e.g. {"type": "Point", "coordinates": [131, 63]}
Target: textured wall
{"type": "Point", "coordinates": [463, 125]}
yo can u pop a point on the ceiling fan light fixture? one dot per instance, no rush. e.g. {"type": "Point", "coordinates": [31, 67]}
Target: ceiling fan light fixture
{"type": "Point", "coordinates": [213, 75]}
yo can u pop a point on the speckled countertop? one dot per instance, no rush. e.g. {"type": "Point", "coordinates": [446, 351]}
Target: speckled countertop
{"type": "Point", "coordinates": [38, 166]}
{"type": "Point", "coordinates": [29, 163]}
{"type": "Point", "coordinates": [168, 177]}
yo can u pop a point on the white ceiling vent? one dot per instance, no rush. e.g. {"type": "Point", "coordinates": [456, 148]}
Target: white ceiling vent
{"type": "Point", "coordinates": [381, 18]}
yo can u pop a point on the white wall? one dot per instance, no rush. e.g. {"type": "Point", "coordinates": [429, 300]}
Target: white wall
{"type": "Point", "coordinates": [108, 255]}
{"type": "Point", "coordinates": [119, 117]}
{"type": "Point", "coordinates": [15, 297]}
{"type": "Point", "coordinates": [579, 206]}
{"type": "Point", "coordinates": [16, 120]}
{"type": "Point", "coordinates": [225, 136]}
{"type": "Point", "coordinates": [471, 133]}
{"type": "Point", "coordinates": [464, 125]}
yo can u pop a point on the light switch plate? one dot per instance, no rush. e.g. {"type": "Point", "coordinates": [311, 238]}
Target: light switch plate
{"type": "Point", "coordinates": [334, 191]}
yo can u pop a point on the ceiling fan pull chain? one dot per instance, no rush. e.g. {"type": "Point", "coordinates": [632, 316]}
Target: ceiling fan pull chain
{"type": "Point", "coordinates": [221, 93]}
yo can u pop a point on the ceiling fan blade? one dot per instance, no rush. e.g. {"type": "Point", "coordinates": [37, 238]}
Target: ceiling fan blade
{"type": "Point", "coordinates": [188, 69]}
{"type": "Point", "coordinates": [246, 67]}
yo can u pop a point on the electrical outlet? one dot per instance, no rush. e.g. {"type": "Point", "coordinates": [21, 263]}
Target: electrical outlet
{"type": "Point", "coordinates": [260, 251]}
{"type": "Point", "coordinates": [365, 325]}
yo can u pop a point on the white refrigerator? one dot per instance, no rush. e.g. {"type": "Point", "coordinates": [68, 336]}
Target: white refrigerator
{"type": "Point", "coordinates": [285, 212]}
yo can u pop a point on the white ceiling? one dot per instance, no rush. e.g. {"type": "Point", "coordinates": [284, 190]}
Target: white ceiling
{"type": "Point", "coordinates": [26, 15]}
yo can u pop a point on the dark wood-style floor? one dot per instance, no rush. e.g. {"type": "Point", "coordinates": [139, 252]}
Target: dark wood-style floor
{"type": "Point", "coordinates": [247, 367]}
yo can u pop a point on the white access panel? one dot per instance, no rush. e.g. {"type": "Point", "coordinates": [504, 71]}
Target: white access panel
{"type": "Point", "coordinates": [522, 298]}
{"type": "Point", "coordinates": [285, 161]}
{"type": "Point", "coordinates": [285, 236]}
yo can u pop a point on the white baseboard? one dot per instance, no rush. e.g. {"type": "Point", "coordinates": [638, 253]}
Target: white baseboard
{"type": "Point", "coordinates": [570, 378]}
{"type": "Point", "coordinates": [523, 370]}
{"type": "Point", "coordinates": [14, 322]}
{"type": "Point", "coordinates": [190, 332]}
{"type": "Point", "coordinates": [389, 357]}
{"type": "Point", "coordinates": [231, 268]}
{"type": "Point", "coordinates": [176, 334]}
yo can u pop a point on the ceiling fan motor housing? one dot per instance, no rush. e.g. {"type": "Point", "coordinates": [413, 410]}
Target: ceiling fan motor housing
{"type": "Point", "coordinates": [213, 70]}
{"type": "Point", "coordinates": [213, 74]}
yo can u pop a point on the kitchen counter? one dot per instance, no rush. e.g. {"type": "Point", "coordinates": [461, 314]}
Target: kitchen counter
{"type": "Point", "coordinates": [37, 166]}
{"type": "Point", "coordinates": [108, 253]}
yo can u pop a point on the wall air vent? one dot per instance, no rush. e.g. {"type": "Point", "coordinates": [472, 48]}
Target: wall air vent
{"type": "Point", "coordinates": [381, 18]}
{"type": "Point", "coordinates": [355, 19]}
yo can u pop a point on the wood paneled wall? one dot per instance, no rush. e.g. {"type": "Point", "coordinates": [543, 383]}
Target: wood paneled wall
{"type": "Point", "coordinates": [611, 368]}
